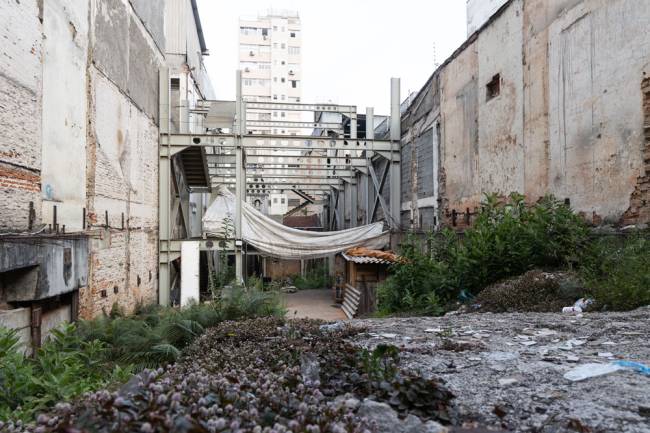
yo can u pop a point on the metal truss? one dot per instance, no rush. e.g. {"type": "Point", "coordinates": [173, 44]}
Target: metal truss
{"type": "Point", "coordinates": [256, 164]}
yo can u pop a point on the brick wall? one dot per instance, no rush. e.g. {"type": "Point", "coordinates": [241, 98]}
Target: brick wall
{"type": "Point", "coordinates": [639, 211]}
{"type": "Point", "coordinates": [20, 114]}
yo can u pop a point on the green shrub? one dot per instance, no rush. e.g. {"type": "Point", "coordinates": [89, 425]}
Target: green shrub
{"type": "Point", "coordinates": [64, 367]}
{"type": "Point", "coordinates": [617, 272]}
{"type": "Point", "coordinates": [507, 239]}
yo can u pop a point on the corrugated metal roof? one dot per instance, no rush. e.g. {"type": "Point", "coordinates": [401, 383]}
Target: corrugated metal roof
{"type": "Point", "coordinates": [365, 260]}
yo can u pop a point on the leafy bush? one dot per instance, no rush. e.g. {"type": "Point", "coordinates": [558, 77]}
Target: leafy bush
{"type": "Point", "coordinates": [617, 272]}
{"type": "Point", "coordinates": [507, 239]}
{"type": "Point", "coordinates": [156, 336]}
{"type": "Point", "coordinates": [64, 367]}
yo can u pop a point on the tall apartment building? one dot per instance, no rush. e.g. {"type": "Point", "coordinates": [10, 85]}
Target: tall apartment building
{"type": "Point", "coordinates": [270, 60]}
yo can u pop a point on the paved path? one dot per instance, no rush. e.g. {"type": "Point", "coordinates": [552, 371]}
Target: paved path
{"type": "Point", "coordinates": [313, 304]}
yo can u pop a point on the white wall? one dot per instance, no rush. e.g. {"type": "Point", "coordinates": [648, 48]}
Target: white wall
{"type": "Point", "coordinates": [479, 11]}
{"type": "Point", "coordinates": [65, 51]}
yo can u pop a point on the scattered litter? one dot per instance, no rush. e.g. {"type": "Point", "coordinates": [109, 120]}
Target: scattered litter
{"type": "Point", "coordinates": [606, 354]}
{"type": "Point", "coordinates": [571, 310]}
{"type": "Point", "coordinates": [528, 343]}
{"type": "Point", "coordinates": [636, 366]}
{"type": "Point", "coordinates": [608, 343]}
{"type": "Point", "coordinates": [572, 358]}
{"type": "Point", "coordinates": [387, 335]}
{"type": "Point", "coordinates": [583, 303]}
{"type": "Point", "coordinates": [507, 381]}
{"type": "Point", "coordinates": [586, 371]}
{"type": "Point", "coordinates": [433, 330]}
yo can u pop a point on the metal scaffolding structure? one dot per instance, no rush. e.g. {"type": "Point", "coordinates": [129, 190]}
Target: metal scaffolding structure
{"type": "Point", "coordinates": [324, 167]}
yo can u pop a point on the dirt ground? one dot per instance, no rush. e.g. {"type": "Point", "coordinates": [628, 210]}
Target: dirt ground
{"type": "Point", "coordinates": [313, 304]}
{"type": "Point", "coordinates": [507, 370]}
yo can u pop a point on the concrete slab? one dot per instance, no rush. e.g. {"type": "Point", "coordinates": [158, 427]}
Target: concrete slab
{"type": "Point", "coordinates": [313, 304]}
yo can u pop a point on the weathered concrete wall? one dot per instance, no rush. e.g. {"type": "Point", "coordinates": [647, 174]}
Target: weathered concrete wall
{"type": "Point", "coordinates": [122, 160]}
{"type": "Point", "coordinates": [18, 319]}
{"type": "Point", "coordinates": [42, 268]}
{"type": "Point", "coordinates": [20, 115]}
{"type": "Point", "coordinates": [596, 126]}
{"type": "Point", "coordinates": [567, 118]}
{"type": "Point", "coordinates": [65, 52]}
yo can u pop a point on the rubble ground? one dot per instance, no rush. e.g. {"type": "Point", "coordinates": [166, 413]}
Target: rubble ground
{"type": "Point", "coordinates": [507, 370]}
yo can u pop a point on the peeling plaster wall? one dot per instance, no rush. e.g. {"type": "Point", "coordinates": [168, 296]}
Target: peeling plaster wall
{"type": "Point", "coordinates": [599, 52]}
{"type": "Point", "coordinates": [20, 114]}
{"type": "Point", "coordinates": [65, 51]}
{"type": "Point", "coordinates": [123, 160]}
{"type": "Point", "coordinates": [568, 120]}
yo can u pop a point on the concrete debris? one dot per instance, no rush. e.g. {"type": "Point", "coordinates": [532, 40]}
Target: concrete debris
{"type": "Point", "coordinates": [528, 381]}
{"type": "Point", "coordinates": [387, 421]}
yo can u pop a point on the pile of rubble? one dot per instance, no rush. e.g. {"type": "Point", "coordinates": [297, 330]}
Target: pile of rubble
{"type": "Point", "coordinates": [532, 372]}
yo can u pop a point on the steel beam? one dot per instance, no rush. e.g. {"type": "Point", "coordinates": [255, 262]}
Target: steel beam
{"type": "Point", "coordinates": [179, 142]}
{"type": "Point", "coordinates": [284, 106]}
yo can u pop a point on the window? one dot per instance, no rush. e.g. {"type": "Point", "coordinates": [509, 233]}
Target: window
{"type": "Point", "coordinates": [493, 88]}
{"type": "Point", "coordinates": [275, 79]}
{"type": "Point", "coordinates": [248, 30]}
{"type": "Point", "coordinates": [282, 80]}
{"type": "Point", "coordinates": [275, 28]}
{"type": "Point", "coordinates": [294, 51]}
{"type": "Point", "coordinates": [175, 83]}
{"type": "Point", "coordinates": [275, 97]}
{"type": "Point", "coordinates": [265, 32]}
{"type": "Point", "coordinates": [248, 82]}
{"type": "Point", "coordinates": [275, 200]}
{"type": "Point", "coordinates": [292, 34]}
{"type": "Point", "coordinates": [282, 200]}
{"type": "Point", "coordinates": [283, 46]}
{"type": "Point", "coordinates": [275, 114]}
{"type": "Point", "coordinates": [282, 62]}
{"type": "Point", "coordinates": [283, 114]}
{"type": "Point", "coordinates": [283, 97]}
{"type": "Point", "coordinates": [263, 82]}
{"type": "Point", "coordinates": [264, 66]}
{"type": "Point", "coordinates": [294, 84]}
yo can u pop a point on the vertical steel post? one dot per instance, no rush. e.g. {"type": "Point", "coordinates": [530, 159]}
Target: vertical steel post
{"type": "Point", "coordinates": [370, 135]}
{"type": "Point", "coordinates": [239, 182]}
{"type": "Point", "coordinates": [164, 191]}
{"type": "Point", "coordinates": [395, 136]}
{"type": "Point", "coordinates": [353, 182]}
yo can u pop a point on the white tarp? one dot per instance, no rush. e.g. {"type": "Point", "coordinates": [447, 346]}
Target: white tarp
{"type": "Point", "coordinates": [277, 240]}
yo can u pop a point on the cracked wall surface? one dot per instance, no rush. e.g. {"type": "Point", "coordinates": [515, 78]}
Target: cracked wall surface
{"type": "Point", "coordinates": [570, 117]}
{"type": "Point", "coordinates": [79, 108]}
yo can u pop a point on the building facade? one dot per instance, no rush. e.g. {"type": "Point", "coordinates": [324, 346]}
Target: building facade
{"type": "Point", "coordinates": [270, 59]}
{"type": "Point", "coordinates": [535, 101]}
{"type": "Point", "coordinates": [79, 154]}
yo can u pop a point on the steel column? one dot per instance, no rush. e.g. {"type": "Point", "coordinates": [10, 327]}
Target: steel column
{"type": "Point", "coordinates": [240, 179]}
{"type": "Point", "coordinates": [370, 135]}
{"type": "Point", "coordinates": [395, 136]}
{"type": "Point", "coordinates": [164, 192]}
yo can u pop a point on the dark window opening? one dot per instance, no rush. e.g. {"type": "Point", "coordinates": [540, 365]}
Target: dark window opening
{"type": "Point", "coordinates": [294, 83]}
{"type": "Point", "coordinates": [265, 32]}
{"type": "Point", "coordinates": [493, 87]}
{"type": "Point", "coordinates": [176, 83]}
{"type": "Point", "coordinates": [292, 34]}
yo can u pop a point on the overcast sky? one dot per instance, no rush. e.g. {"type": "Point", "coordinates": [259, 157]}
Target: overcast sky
{"type": "Point", "coordinates": [350, 48]}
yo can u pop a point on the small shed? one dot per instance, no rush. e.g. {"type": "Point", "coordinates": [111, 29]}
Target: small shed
{"type": "Point", "coordinates": [365, 270]}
